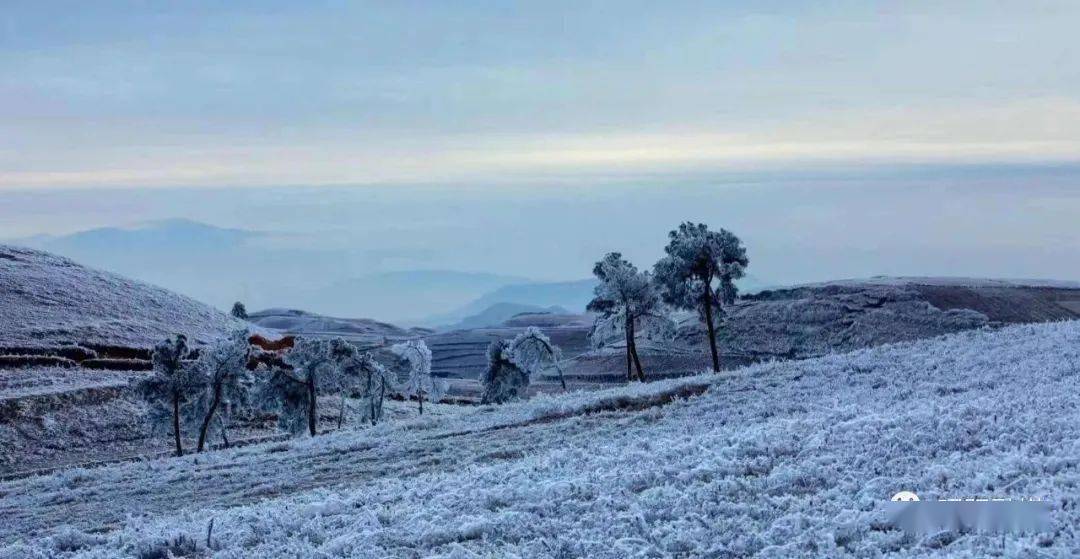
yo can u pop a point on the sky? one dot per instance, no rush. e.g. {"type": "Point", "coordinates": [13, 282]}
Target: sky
{"type": "Point", "coordinates": [153, 94]}
{"type": "Point", "coordinates": [838, 139]}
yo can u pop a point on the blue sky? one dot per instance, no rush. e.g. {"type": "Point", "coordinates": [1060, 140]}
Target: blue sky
{"type": "Point", "coordinates": [152, 94]}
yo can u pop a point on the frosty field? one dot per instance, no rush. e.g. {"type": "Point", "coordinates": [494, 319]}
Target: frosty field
{"type": "Point", "coordinates": [791, 459]}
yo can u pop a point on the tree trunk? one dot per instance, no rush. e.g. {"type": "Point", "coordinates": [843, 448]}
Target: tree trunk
{"type": "Point", "coordinates": [633, 352]}
{"type": "Point", "coordinates": [707, 301]}
{"type": "Point", "coordinates": [629, 362]}
{"type": "Point", "coordinates": [209, 417]}
{"type": "Point", "coordinates": [420, 395]}
{"type": "Point", "coordinates": [312, 416]}
{"type": "Point", "coordinates": [376, 407]}
{"type": "Point", "coordinates": [341, 411]}
{"type": "Point", "coordinates": [176, 422]}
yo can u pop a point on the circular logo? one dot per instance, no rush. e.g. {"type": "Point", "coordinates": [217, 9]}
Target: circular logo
{"type": "Point", "coordinates": [905, 497]}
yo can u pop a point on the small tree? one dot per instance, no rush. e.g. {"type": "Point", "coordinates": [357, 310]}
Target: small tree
{"type": "Point", "coordinates": [504, 379]}
{"type": "Point", "coordinates": [174, 384]}
{"type": "Point", "coordinates": [294, 393]}
{"type": "Point", "coordinates": [359, 373]}
{"type": "Point", "coordinates": [625, 298]}
{"type": "Point", "coordinates": [228, 383]}
{"type": "Point", "coordinates": [699, 272]}
{"type": "Point", "coordinates": [239, 311]}
{"type": "Point", "coordinates": [532, 349]}
{"type": "Point", "coordinates": [420, 381]}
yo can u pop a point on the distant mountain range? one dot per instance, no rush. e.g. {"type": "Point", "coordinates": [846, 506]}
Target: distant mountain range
{"type": "Point", "coordinates": [568, 296]}
{"type": "Point", "coordinates": [403, 296]}
{"type": "Point", "coordinates": [222, 265]}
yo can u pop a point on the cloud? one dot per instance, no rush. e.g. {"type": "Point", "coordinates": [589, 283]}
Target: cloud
{"type": "Point", "coordinates": [402, 92]}
{"type": "Point", "coordinates": [1031, 131]}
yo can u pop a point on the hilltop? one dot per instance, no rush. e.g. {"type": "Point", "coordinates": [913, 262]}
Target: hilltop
{"type": "Point", "coordinates": [49, 300]}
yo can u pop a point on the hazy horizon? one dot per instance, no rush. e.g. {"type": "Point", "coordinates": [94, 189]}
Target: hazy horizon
{"type": "Point", "coordinates": [839, 140]}
{"type": "Point", "coordinates": [993, 222]}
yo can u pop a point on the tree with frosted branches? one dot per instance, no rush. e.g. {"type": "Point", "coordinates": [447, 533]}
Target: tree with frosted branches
{"type": "Point", "coordinates": [504, 379]}
{"type": "Point", "coordinates": [512, 364]}
{"type": "Point", "coordinates": [625, 299]}
{"type": "Point", "coordinates": [227, 384]}
{"type": "Point", "coordinates": [173, 387]}
{"type": "Point", "coordinates": [699, 272]}
{"type": "Point", "coordinates": [531, 350]}
{"type": "Point", "coordinates": [293, 393]}
{"type": "Point", "coordinates": [420, 382]}
{"type": "Point", "coordinates": [361, 375]}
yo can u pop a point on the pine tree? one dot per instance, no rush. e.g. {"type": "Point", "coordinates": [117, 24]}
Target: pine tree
{"type": "Point", "coordinates": [699, 272]}
{"type": "Point", "coordinates": [626, 300]}
{"type": "Point", "coordinates": [239, 311]}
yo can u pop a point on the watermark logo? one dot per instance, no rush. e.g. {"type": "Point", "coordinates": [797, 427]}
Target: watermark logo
{"type": "Point", "coordinates": [981, 515]}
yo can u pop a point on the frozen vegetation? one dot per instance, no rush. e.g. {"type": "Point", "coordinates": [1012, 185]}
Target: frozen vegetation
{"type": "Point", "coordinates": [792, 459]}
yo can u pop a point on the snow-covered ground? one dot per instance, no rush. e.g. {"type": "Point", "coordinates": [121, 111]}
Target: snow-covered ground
{"type": "Point", "coordinates": [945, 281]}
{"type": "Point", "coordinates": [792, 459]}
{"type": "Point", "coordinates": [48, 300]}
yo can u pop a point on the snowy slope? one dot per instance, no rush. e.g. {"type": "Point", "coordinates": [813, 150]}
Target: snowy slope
{"type": "Point", "coordinates": [790, 459]}
{"type": "Point", "coordinates": [49, 300]}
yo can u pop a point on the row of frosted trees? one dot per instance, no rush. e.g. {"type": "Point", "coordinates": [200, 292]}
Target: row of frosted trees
{"type": "Point", "coordinates": [199, 393]}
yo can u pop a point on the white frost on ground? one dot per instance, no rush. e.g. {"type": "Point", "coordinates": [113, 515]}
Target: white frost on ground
{"type": "Point", "coordinates": [44, 381]}
{"type": "Point", "coordinates": [789, 459]}
{"type": "Point", "coordinates": [49, 300]}
{"type": "Point", "coordinates": [945, 281]}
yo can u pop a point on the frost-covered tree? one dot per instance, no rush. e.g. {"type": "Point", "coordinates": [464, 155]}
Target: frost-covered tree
{"type": "Point", "coordinates": [420, 382]}
{"type": "Point", "coordinates": [173, 385]}
{"type": "Point", "coordinates": [531, 350]}
{"type": "Point", "coordinates": [699, 272]}
{"type": "Point", "coordinates": [361, 375]}
{"type": "Point", "coordinates": [504, 379]}
{"type": "Point", "coordinates": [625, 299]}
{"type": "Point", "coordinates": [227, 384]}
{"type": "Point", "coordinates": [294, 392]}
{"type": "Point", "coordinates": [239, 311]}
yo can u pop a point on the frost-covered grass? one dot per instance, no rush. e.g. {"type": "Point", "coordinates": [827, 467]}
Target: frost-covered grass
{"type": "Point", "coordinates": [43, 381]}
{"type": "Point", "coordinates": [787, 459]}
{"type": "Point", "coordinates": [50, 300]}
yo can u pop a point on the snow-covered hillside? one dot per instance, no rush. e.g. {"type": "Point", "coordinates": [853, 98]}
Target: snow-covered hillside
{"type": "Point", "coordinates": [792, 459]}
{"type": "Point", "coordinates": [48, 300]}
